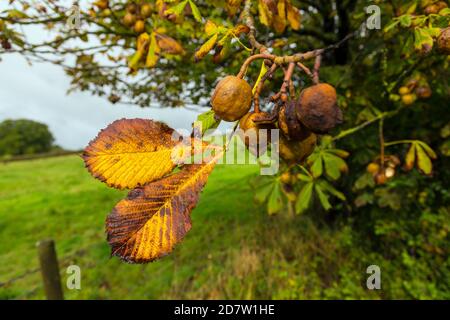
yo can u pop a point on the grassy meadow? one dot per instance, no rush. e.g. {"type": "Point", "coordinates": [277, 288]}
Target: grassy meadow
{"type": "Point", "coordinates": [234, 250]}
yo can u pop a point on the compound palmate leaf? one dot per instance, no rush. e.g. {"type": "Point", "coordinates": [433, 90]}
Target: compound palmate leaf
{"type": "Point", "coordinates": [130, 153]}
{"type": "Point", "coordinates": [153, 219]}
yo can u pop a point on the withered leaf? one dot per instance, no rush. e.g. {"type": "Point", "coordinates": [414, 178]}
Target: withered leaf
{"type": "Point", "coordinates": [153, 219]}
{"type": "Point", "coordinates": [205, 48]}
{"type": "Point", "coordinates": [168, 44]}
{"type": "Point", "coordinates": [265, 16]}
{"type": "Point", "coordinates": [130, 152]}
{"type": "Point", "coordinates": [293, 16]}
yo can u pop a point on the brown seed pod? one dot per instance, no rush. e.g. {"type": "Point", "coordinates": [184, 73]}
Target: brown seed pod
{"type": "Point", "coordinates": [139, 26]}
{"type": "Point", "coordinates": [288, 123]}
{"type": "Point", "coordinates": [129, 19]}
{"type": "Point", "coordinates": [296, 151]}
{"type": "Point", "coordinates": [132, 8]}
{"type": "Point", "coordinates": [443, 41]}
{"type": "Point", "coordinates": [317, 108]}
{"type": "Point", "coordinates": [431, 9]}
{"type": "Point", "coordinates": [250, 132]}
{"type": "Point", "coordinates": [380, 178]}
{"type": "Point", "coordinates": [6, 44]}
{"type": "Point", "coordinates": [286, 178]}
{"type": "Point", "coordinates": [409, 99]}
{"type": "Point", "coordinates": [146, 10]}
{"type": "Point", "coordinates": [101, 4]}
{"type": "Point", "coordinates": [373, 168]}
{"type": "Point", "coordinates": [424, 92]}
{"type": "Point", "coordinates": [435, 8]}
{"type": "Point", "coordinates": [232, 98]}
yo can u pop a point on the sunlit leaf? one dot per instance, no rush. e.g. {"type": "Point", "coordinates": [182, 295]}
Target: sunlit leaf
{"type": "Point", "coordinates": [293, 16]}
{"type": "Point", "coordinates": [208, 121]}
{"type": "Point", "coordinates": [317, 167]}
{"type": "Point", "coordinates": [130, 152]}
{"type": "Point", "coordinates": [430, 152]}
{"type": "Point", "coordinates": [265, 17]}
{"type": "Point", "coordinates": [210, 28]}
{"type": "Point", "coordinates": [195, 12]}
{"type": "Point", "coordinates": [153, 52]}
{"type": "Point", "coordinates": [423, 161]}
{"type": "Point", "coordinates": [262, 72]}
{"type": "Point", "coordinates": [153, 219]}
{"type": "Point", "coordinates": [177, 9]}
{"type": "Point", "coordinates": [304, 198]}
{"type": "Point", "coordinates": [206, 47]}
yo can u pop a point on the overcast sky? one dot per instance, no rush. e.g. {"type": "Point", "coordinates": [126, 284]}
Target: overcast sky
{"type": "Point", "coordinates": [38, 92]}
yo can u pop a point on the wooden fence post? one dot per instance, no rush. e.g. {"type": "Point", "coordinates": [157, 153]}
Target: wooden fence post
{"type": "Point", "coordinates": [50, 269]}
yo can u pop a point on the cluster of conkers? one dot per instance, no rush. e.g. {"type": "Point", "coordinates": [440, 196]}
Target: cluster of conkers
{"type": "Point", "coordinates": [135, 16]}
{"type": "Point", "coordinates": [314, 112]}
{"type": "Point", "coordinates": [435, 7]}
{"type": "Point", "coordinates": [415, 88]}
{"type": "Point", "coordinates": [382, 173]}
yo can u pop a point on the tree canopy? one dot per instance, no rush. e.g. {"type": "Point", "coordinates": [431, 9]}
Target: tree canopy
{"type": "Point", "coordinates": [20, 137]}
{"type": "Point", "coordinates": [383, 170]}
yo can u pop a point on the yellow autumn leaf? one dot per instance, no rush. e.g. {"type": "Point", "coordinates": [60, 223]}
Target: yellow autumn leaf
{"type": "Point", "coordinates": [153, 219]}
{"type": "Point", "coordinates": [293, 16]}
{"type": "Point", "coordinates": [210, 28]}
{"type": "Point", "coordinates": [130, 152]}
{"type": "Point", "coordinates": [265, 17]}
{"type": "Point", "coordinates": [153, 52]}
{"type": "Point", "coordinates": [206, 47]}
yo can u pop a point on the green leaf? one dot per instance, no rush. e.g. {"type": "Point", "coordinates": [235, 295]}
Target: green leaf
{"type": "Point", "coordinates": [304, 177]}
{"type": "Point", "coordinates": [262, 192]}
{"type": "Point", "coordinates": [323, 198]}
{"type": "Point", "coordinates": [445, 12]}
{"type": "Point", "coordinates": [177, 9]}
{"type": "Point", "coordinates": [430, 152]}
{"type": "Point", "coordinates": [317, 167]}
{"type": "Point", "coordinates": [304, 198]}
{"type": "Point", "coordinates": [208, 121]}
{"type": "Point", "coordinates": [422, 39]}
{"type": "Point", "coordinates": [327, 187]}
{"type": "Point", "coordinates": [433, 32]}
{"type": "Point", "coordinates": [333, 165]}
{"type": "Point", "coordinates": [275, 203]}
{"type": "Point", "coordinates": [391, 25]}
{"type": "Point", "coordinates": [340, 153]}
{"type": "Point", "coordinates": [195, 11]}
{"type": "Point", "coordinates": [423, 161]}
{"type": "Point", "coordinates": [405, 20]}
{"type": "Point", "coordinates": [412, 8]}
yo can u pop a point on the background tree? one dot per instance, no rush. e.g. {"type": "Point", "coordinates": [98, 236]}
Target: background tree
{"type": "Point", "coordinates": [19, 137]}
{"type": "Point", "coordinates": [383, 172]}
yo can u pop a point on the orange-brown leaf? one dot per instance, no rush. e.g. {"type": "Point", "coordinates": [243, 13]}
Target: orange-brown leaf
{"type": "Point", "coordinates": [130, 152]}
{"type": "Point", "coordinates": [168, 44]}
{"type": "Point", "coordinates": [293, 16]}
{"type": "Point", "coordinates": [153, 219]}
{"type": "Point", "coordinates": [241, 28]}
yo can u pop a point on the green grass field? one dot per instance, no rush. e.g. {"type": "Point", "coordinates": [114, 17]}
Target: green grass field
{"type": "Point", "coordinates": [234, 250]}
